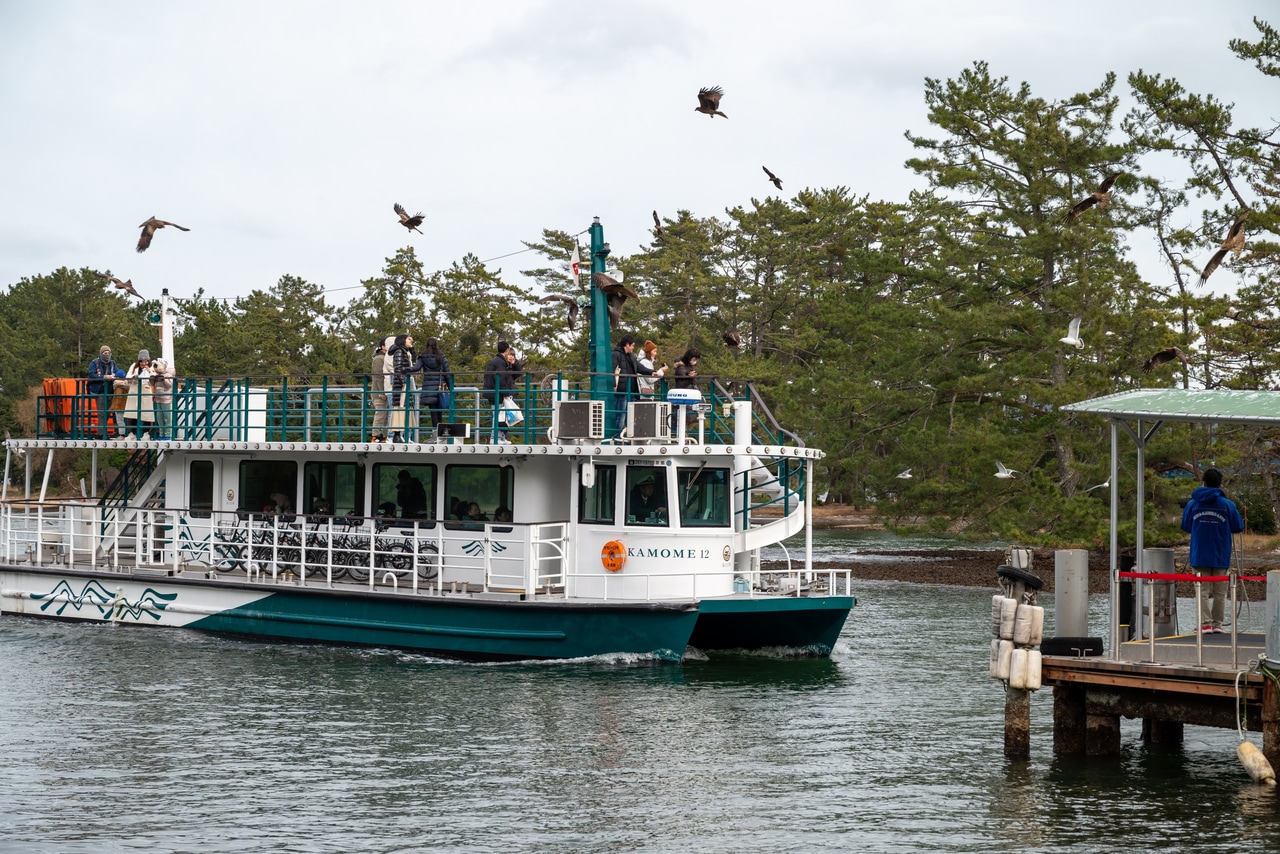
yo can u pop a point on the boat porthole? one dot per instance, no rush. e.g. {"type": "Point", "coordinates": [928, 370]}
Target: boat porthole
{"type": "Point", "coordinates": [613, 555]}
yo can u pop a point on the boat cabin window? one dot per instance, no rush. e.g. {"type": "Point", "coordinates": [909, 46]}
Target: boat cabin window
{"type": "Point", "coordinates": [596, 502]}
{"type": "Point", "coordinates": [269, 486]}
{"type": "Point", "coordinates": [200, 489]}
{"type": "Point", "coordinates": [476, 493]}
{"type": "Point", "coordinates": [403, 494]}
{"type": "Point", "coordinates": [647, 496]}
{"type": "Point", "coordinates": [703, 496]}
{"type": "Point", "coordinates": [332, 489]}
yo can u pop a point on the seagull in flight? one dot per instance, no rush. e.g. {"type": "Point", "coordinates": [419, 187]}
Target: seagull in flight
{"type": "Point", "coordinates": [149, 229]}
{"type": "Point", "coordinates": [777, 182]}
{"type": "Point", "coordinates": [709, 101]}
{"type": "Point", "coordinates": [1073, 333]}
{"type": "Point", "coordinates": [20, 453]}
{"type": "Point", "coordinates": [905, 475]}
{"type": "Point", "coordinates": [1003, 472]}
{"type": "Point", "coordinates": [1106, 483]}
{"type": "Point", "coordinates": [409, 222]}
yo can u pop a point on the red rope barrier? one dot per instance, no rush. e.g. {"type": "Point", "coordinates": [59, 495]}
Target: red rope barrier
{"type": "Point", "coordinates": [1177, 576]}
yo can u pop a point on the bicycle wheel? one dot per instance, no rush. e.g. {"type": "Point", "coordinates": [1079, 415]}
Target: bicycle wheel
{"type": "Point", "coordinates": [428, 562]}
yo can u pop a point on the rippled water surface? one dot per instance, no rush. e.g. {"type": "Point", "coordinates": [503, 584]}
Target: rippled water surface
{"type": "Point", "coordinates": [123, 739]}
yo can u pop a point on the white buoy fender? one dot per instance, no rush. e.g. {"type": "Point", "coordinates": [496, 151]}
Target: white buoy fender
{"type": "Point", "coordinates": [1255, 763]}
{"type": "Point", "coordinates": [1025, 631]}
{"type": "Point", "coordinates": [1008, 614]}
{"type": "Point", "coordinates": [1004, 657]}
{"type": "Point", "coordinates": [1033, 670]}
{"type": "Point", "coordinates": [996, 607]}
{"type": "Point", "coordinates": [1018, 669]}
{"type": "Point", "coordinates": [994, 670]}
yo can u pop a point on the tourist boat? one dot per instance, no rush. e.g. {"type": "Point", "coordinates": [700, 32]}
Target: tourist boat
{"type": "Point", "coordinates": [269, 511]}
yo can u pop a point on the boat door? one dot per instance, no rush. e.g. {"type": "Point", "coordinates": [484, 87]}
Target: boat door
{"type": "Point", "coordinates": [201, 501]}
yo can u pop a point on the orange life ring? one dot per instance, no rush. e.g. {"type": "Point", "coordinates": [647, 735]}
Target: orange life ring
{"type": "Point", "coordinates": [613, 555]}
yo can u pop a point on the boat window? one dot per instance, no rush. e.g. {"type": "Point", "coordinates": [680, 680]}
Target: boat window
{"type": "Point", "coordinates": [596, 502]}
{"type": "Point", "coordinates": [404, 493]}
{"type": "Point", "coordinates": [490, 488]}
{"type": "Point", "coordinates": [333, 489]}
{"type": "Point", "coordinates": [703, 494]}
{"type": "Point", "coordinates": [268, 486]}
{"type": "Point", "coordinates": [200, 489]}
{"type": "Point", "coordinates": [647, 496]}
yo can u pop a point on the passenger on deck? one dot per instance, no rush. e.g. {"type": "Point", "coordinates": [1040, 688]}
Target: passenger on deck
{"type": "Point", "coordinates": [500, 386]}
{"type": "Point", "coordinates": [379, 372]}
{"type": "Point", "coordinates": [502, 514]}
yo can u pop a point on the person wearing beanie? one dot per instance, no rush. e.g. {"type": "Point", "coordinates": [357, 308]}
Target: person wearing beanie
{"type": "Point", "coordinates": [162, 394]}
{"type": "Point", "coordinates": [1211, 519]}
{"type": "Point", "coordinates": [140, 410]}
{"type": "Point", "coordinates": [649, 359]}
{"type": "Point", "coordinates": [101, 370]}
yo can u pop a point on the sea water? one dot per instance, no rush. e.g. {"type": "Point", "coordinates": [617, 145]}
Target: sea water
{"type": "Point", "coordinates": [120, 739]}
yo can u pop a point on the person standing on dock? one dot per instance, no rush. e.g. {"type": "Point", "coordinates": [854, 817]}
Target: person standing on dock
{"type": "Point", "coordinates": [1211, 518]}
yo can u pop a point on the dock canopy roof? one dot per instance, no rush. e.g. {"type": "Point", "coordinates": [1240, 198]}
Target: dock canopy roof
{"type": "Point", "coordinates": [1219, 405]}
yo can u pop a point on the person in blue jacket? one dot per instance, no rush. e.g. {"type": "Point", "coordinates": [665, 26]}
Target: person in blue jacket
{"type": "Point", "coordinates": [1211, 518]}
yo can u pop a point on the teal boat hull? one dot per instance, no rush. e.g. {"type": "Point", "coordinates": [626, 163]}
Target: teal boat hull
{"type": "Point", "coordinates": [808, 623]}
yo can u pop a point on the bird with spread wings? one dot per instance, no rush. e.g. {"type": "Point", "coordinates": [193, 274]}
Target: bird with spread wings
{"type": "Point", "coordinates": [409, 222]}
{"type": "Point", "coordinates": [127, 287]}
{"type": "Point", "coordinates": [709, 101]}
{"type": "Point", "coordinates": [615, 294]}
{"type": "Point", "coordinates": [1073, 333]}
{"type": "Point", "coordinates": [777, 182]}
{"type": "Point", "coordinates": [657, 225]}
{"type": "Point", "coordinates": [570, 302]}
{"type": "Point", "coordinates": [1234, 243]}
{"type": "Point", "coordinates": [732, 339]}
{"type": "Point", "coordinates": [149, 229]}
{"type": "Point", "coordinates": [1168, 354]}
{"type": "Point", "coordinates": [1100, 197]}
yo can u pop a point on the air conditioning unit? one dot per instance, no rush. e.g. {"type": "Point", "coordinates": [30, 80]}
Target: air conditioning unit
{"type": "Point", "coordinates": [579, 419]}
{"type": "Point", "coordinates": [649, 419]}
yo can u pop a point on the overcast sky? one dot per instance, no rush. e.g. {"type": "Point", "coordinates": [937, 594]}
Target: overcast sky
{"type": "Point", "coordinates": [281, 133]}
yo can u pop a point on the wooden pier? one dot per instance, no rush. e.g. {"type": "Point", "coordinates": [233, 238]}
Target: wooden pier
{"type": "Point", "coordinates": [1090, 695]}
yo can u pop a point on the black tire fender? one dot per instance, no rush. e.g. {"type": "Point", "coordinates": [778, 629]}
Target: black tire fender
{"type": "Point", "coordinates": [1012, 573]}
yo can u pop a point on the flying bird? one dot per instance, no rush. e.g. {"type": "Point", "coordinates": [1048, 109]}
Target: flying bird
{"type": "Point", "coordinates": [616, 294]}
{"type": "Point", "coordinates": [409, 222]}
{"type": "Point", "coordinates": [149, 229]}
{"type": "Point", "coordinates": [1233, 243]}
{"type": "Point", "coordinates": [1100, 197]}
{"type": "Point", "coordinates": [568, 301]}
{"type": "Point", "coordinates": [127, 287]}
{"type": "Point", "coordinates": [732, 339]}
{"type": "Point", "coordinates": [905, 475]}
{"type": "Point", "coordinates": [1102, 485]}
{"type": "Point", "coordinates": [20, 453]}
{"type": "Point", "coordinates": [709, 101]}
{"type": "Point", "coordinates": [1073, 333]}
{"type": "Point", "coordinates": [777, 182]}
{"type": "Point", "coordinates": [1004, 473]}
{"type": "Point", "coordinates": [657, 225]}
{"type": "Point", "coordinates": [1168, 354]}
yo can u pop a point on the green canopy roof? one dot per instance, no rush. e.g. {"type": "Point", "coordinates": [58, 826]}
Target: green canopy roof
{"type": "Point", "coordinates": [1220, 405]}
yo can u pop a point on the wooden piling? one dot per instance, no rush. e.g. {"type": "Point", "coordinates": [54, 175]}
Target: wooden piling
{"type": "Point", "coordinates": [1068, 720]}
{"type": "Point", "coordinates": [1017, 723]}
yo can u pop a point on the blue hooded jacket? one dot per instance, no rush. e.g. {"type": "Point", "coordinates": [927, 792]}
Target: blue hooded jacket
{"type": "Point", "coordinates": [1211, 518]}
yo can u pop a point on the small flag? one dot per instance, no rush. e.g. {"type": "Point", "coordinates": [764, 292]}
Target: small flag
{"type": "Point", "coordinates": [574, 262]}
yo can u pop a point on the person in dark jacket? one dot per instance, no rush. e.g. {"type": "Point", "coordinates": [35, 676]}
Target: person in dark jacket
{"type": "Point", "coordinates": [1211, 518]}
{"type": "Point", "coordinates": [436, 378]}
{"type": "Point", "coordinates": [102, 372]}
{"type": "Point", "coordinates": [402, 364]}
{"type": "Point", "coordinates": [627, 370]}
{"type": "Point", "coordinates": [687, 369]}
{"type": "Point", "coordinates": [500, 384]}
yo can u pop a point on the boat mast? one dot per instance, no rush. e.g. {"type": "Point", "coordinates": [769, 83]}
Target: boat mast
{"type": "Point", "coordinates": [601, 349]}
